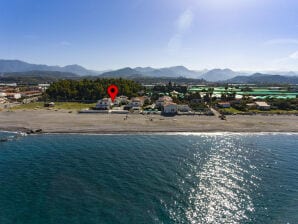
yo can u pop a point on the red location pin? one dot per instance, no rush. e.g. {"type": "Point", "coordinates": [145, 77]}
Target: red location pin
{"type": "Point", "coordinates": [113, 91]}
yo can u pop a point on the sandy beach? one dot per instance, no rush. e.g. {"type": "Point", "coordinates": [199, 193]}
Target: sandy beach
{"type": "Point", "coordinates": [64, 122]}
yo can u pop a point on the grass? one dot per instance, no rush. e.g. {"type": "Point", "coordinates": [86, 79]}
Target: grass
{"type": "Point", "coordinates": [58, 106]}
{"type": "Point", "coordinates": [275, 111]}
{"type": "Point", "coordinates": [230, 110]}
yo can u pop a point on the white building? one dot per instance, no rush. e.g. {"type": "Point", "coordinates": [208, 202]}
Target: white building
{"type": "Point", "coordinates": [170, 108]}
{"type": "Point", "coordinates": [104, 104]}
{"type": "Point", "coordinates": [14, 96]}
{"type": "Point", "coordinates": [262, 105]}
{"type": "Point", "coordinates": [3, 94]}
{"type": "Point", "coordinates": [122, 99]}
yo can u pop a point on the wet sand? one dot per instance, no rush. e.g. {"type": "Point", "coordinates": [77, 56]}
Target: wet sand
{"type": "Point", "coordinates": [65, 122]}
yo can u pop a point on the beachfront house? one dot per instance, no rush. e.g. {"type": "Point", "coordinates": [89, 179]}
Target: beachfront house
{"type": "Point", "coordinates": [2, 94]}
{"type": "Point", "coordinates": [137, 102]}
{"type": "Point", "coordinates": [104, 104]}
{"type": "Point", "coordinates": [14, 96]}
{"type": "Point", "coordinates": [162, 101]}
{"type": "Point", "coordinates": [170, 108]}
{"type": "Point", "coordinates": [224, 104]}
{"type": "Point", "coordinates": [121, 100]}
{"type": "Point", "coordinates": [261, 105]}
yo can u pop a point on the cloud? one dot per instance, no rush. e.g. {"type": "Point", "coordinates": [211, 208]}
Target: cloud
{"type": "Point", "coordinates": [185, 20]}
{"type": "Point", "coordinates": [294, 55]}
{"type": "Point", "coordinates": [282, 41]}
{"type": "Point", "coordinates": [65, 43]}
{"type": "Point", "coordinates": [286, 63]}
{"type": "Point", "coordinates": [183, 24]}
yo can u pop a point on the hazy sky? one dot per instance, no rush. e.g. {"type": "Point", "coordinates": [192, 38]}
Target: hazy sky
{"type": "Point", "coordinates": [108, 34]}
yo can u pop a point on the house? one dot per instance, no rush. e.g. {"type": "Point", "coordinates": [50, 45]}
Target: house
{"type": "Point", "coordinates": [184, 108]}
{"type": "Point", "coordinates": [15, 96]}
{"type": "Point", "coordinates": [31, 93]}
{"type": "Point", "coordinates": [261, 105]}
{"type": "Point", "coordinates": [170, 108]}
{"type": "Point", "coordinates": [162, 101]}
{"type": "Point", "coordinates": [174, 93]}
{"type": "Point", "coordinates": [2, 94]}
{"type": "Point", "coordinates": [224, 104]}
{"type": "Point", "coordinates": [104, 104]}
{"type": "Point", "coordinates": [137, 102]}
{"type": "Point", "coordinates": [122, 99]}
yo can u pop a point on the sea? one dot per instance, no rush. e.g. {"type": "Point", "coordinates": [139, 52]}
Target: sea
{"type": "Point", "coordinates": [149, 178]}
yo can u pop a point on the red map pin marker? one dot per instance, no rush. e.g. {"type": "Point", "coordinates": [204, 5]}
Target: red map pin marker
{"type": "Point", "coordinates": [113, 91]}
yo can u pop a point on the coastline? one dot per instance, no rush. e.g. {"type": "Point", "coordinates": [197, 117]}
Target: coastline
{"type": "Point", "coordinates": [62, 121]}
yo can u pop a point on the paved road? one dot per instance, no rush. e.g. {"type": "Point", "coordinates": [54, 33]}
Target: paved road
{"type": "Point", "coordinates": [216, 113]}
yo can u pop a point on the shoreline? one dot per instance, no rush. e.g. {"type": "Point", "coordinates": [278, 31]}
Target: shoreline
{"type": "Point", "coordinates": [166, 133]}
{"type": "Point", "coordinates": [23, 130]}
{"type": "Point", "coordinates": [63, 122]}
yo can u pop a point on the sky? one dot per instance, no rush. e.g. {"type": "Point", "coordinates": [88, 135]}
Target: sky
{"type": "Point", "coordinates": [246, 35]}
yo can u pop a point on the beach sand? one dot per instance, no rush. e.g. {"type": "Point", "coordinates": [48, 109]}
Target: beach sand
{"type": "Point", "coordinates": [64, 122]}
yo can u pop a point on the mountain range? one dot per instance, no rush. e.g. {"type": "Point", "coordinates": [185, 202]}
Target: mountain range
{"type": "Point", "coordinates": [7, 66]}
{"type": "Point", "coordinates": [259, 78]}
{"type": "Point", "coordinates": [213, 75]}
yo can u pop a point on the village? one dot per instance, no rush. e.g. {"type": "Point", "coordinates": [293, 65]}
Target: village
{"type": "Point", "coordinates": [170, 100]}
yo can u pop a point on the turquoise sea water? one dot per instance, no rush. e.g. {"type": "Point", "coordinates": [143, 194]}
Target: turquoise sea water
{"type": "Point", "coordinates": [200, 178]}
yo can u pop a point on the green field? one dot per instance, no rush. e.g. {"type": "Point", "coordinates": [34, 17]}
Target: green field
{"type": "Point", "coordinates": [259, 93]}
{"type": "Point", "coordinates": [58, 106]}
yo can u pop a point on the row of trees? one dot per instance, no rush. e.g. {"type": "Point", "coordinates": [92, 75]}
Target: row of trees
{"type": "Point", "coordinates": [90, 90]}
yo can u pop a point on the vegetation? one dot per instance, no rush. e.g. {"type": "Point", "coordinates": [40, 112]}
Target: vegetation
{"type": "Point", "coordinates": [169, 88]}
{"type": "Point", "coordinates": [228, 111]}
{"type": "Point", "coordinates": [90, 90]}
{"type": "Point", "coordinates": [284, 104]}
{"type": "Point", "coordinates": [58, 106]}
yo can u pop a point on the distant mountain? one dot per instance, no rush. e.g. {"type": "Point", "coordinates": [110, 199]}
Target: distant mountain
{"type": "Point", "coordinates": [215, 75]}
{"type": "Point", "coordinates": [283, 73]}
{"type": "Point", "coordinates": [177, 71]}
{"type": "Point", "coordinates": [259, 78]}
{"type": "Point", "coordinates": [144, 70]}
{"type": "Point", "coordinates": [17, 69]}
{"type": "Point", "coordinates": [21, 66]}
{"type": "Point", "coordinates": [77, 69]}
{"type": "Point", "coordinates": [36, 77]}
{"type": "Point", "coordinates": [123, 73]}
